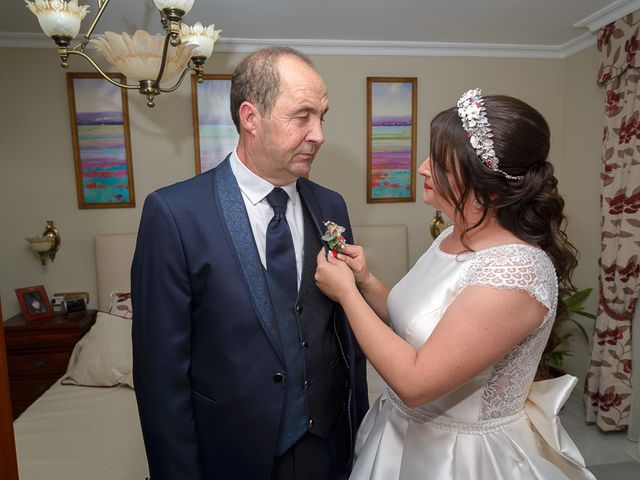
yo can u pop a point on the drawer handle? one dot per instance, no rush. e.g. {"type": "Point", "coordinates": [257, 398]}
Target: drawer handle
{"type": "Point", "coordinates": [38, 364]}
{"type": "Point", "coordinates": [39, 389]}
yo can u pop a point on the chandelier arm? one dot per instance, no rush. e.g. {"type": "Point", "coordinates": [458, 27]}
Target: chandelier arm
{"type": "Point", "coordinates": [179, 82]}
{"type": "Point", "coordinates": [167, 38]}
{"type": "Point", "coordinates": [102, 4]}
{"type": "Point", "coordinates": [101, 72]}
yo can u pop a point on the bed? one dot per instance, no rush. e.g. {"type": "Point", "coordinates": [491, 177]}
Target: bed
{"type": "Point", "coordinates": [85, 428]}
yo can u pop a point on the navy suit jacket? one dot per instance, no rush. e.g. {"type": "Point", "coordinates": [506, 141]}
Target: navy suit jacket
{"type": "Point", "coordinates": [205, 344]}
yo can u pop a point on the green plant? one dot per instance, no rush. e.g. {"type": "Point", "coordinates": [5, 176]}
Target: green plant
{"type": "Point", "coordinates": [557, 347]}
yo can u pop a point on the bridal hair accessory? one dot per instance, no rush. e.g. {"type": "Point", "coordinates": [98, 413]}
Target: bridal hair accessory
{"type": "Point", "coordinates": [472, 112]}
{"type": "Point", "coordinates": [333, 237]}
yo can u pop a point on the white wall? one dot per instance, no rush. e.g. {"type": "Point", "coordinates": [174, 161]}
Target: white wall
{"type": "Point", "coordinates": [37, 175]}
{"type": "Point", "coordinates": [579, 174]}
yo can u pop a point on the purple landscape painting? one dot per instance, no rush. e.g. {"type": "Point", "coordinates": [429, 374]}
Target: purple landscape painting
{"type": "Point", "coordinates": [391, 159]}
{"type": "Point", "coordinates": [101, 143]}
{"type": "Point", "coordinates": [216, 135]}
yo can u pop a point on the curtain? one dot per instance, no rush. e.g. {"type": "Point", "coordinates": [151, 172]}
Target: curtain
{"type": "Point", "coordinates": [608, 388]}
{"type": "Point", "coordinates": [634, 425]}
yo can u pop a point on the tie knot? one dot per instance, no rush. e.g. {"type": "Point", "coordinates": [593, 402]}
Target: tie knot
{"type": "Point", "coordinates": [277, 198]}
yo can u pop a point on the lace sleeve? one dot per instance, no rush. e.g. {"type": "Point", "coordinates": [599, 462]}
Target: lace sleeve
{"type": "Point", "coordinates": [515, 266]}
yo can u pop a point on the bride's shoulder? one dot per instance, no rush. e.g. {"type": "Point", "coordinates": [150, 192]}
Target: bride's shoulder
{"type": "Point", "coordinates": [519, 266]}
{"type": "Point", "coordinates": [510, 257]}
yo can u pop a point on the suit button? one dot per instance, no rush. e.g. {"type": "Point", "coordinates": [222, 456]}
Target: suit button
{"type": "Point", "coordinates": [307, 383]}
{"type": "Point", "coordinates": [310, 423]}
{"type": "Point", "coordinates": [278, 378]}
{"type": "Point", "coordinates": [299, 308]}
{"type": "Point", "coordinates": [305, 344]}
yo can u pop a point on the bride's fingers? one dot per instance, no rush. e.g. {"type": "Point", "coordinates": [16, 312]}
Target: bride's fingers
{"type": "Point", "coordinates": [324, 258]}
{"type": "Point", "coordinates": [351, 250]}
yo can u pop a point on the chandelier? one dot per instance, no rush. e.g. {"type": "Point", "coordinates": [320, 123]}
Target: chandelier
{"type": "Point", "coordinates": [141, 57]}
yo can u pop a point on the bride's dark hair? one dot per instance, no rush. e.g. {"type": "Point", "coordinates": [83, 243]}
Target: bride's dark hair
{"type": "Point", "coordinates": [531, 208]}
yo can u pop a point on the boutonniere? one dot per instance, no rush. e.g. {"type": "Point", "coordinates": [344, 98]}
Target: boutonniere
{"type": "Point", "coordinates": [333, 237]}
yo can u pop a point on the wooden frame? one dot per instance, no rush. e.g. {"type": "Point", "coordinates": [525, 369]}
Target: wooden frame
{"type": "Point", "coordinates": [8, 459]}
{"type": "Point", "coordinates": [99, 117]}
{"type": "Point", "coordinates": [34, 302]}
{"type": "Point", "coordinates": [214, 133]}
{"type": "Point", "coordinates": [391, 139]}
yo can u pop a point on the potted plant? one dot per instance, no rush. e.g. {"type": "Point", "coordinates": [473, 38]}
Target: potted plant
{"type": "Point", "coordinates": [557, 347]}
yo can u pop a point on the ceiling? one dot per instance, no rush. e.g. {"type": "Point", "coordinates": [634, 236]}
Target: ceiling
{"type": "Point", "coordinates": [532, 23]}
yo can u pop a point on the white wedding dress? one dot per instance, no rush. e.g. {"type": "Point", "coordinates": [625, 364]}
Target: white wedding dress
{"type": "Point", "coordinates": [497, 426]}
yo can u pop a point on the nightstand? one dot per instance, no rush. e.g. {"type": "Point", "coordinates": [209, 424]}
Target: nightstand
{"type": "Point", "coordinates": [38, 352]}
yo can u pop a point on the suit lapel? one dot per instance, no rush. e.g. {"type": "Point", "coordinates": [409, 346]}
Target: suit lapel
{"type": "Point", "coordinates": [312, 205]}
{"type": "Point", "coordinates": [240, 236]}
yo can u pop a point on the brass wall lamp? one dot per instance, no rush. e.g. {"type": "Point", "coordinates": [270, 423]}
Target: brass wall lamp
{"type": "Point", "coordinates": [46, 245]}
{"type": "Point", "coordinates": [437, 225]}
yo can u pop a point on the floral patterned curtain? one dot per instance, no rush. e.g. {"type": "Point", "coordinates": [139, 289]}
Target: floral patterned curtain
{"type": "Point", "coordinates": [608, 384]}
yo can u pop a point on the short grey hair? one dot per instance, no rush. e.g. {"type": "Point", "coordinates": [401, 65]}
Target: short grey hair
{"type": "Point", "coordinates": [257, 80]}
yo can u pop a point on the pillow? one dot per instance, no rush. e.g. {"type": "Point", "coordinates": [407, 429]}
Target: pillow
{"type": "Point", "coordinates": [103, 357]}
{"type": "Point", "coordinates": [121, 304]}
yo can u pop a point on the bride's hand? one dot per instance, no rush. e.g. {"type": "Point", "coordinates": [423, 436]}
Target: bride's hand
{"type": "Point", "coordinates": [353, 256]}
{"type": "Point", "coordinates": [333, 277]}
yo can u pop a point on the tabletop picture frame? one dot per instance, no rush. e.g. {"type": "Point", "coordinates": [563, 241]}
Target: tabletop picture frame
{"type": "Point", "coordinates": [391, 139]}
{"type": "Point", "coordinates": [101, 137]}
{"type": "Point", "coordinates": [34, 302]}
{"type": "Point", "coordinates": [214, 132]}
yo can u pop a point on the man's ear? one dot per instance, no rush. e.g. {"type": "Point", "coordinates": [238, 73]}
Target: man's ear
{"type": "Point", "coordinates": [249, 117]}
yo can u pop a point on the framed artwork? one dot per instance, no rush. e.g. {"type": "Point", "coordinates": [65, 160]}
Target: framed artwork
{"type": "Point", "coordinates": [101, 141]}
{"type": "Point", "coordinates": [215, 135]}
{"type": "Point", "coordinates": [34, 302]}
{"type": "Point", "coordinates": [391, 139]}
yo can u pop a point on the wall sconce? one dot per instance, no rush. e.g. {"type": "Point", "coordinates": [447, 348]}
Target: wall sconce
{"type": "Point", "coordinates": [437, 224]}
{"type": "Point", "coordinates": [47, 244]}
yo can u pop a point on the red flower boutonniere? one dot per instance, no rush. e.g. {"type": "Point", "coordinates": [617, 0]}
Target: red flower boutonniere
{"type": "Point", "coordinates": [333, 237]}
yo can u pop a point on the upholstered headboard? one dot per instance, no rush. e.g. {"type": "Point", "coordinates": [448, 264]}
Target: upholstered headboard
{"type": "Point", "coordinates": [386, 248]}
{"type": "Point", "coordinates": [114, 253]}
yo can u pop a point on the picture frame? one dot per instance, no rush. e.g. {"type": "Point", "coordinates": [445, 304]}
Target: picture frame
{"type": "Point", "coordinates": [214, 132]}
{"type": "Point", "coordinates": [34, 302]}
{"type": "Point", "coordinates": [391, 139]}
{"type": "Point", "coordinates": [99, 117]}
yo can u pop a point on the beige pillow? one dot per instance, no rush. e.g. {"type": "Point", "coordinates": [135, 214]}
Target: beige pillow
{"type": "Point", "coordinates": [103, 357]}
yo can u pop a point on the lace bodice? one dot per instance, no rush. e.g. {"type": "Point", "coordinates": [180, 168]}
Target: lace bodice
{"type": "Point", "coordinates": [419, 300]}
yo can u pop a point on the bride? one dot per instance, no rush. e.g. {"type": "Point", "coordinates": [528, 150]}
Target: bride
{"type": "Point", "coordinates": [470, 320]}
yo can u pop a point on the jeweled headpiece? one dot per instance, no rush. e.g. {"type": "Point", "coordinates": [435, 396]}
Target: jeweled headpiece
{"type": "Point", "coordinates": [472, 112]}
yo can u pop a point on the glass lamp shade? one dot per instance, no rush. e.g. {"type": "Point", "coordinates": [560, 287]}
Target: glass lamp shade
{"type": "Point", "coordinates": [184, 5]}
{"type": "Point", "coordinates": [40, 244]}
{"type": "Point", "coordinates": [138, 57]}
{"type": "Point", "coordinates": [58, 17]}
{"type": "Point", "coordinates": [203, 38]}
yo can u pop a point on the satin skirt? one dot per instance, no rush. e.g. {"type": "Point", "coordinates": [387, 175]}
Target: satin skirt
{"type": "Point", "coordinates": [396, 442]}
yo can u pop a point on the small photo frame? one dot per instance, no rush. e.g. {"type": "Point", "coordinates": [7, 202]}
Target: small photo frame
{"type": "Point", "coordinates": [34, 302]}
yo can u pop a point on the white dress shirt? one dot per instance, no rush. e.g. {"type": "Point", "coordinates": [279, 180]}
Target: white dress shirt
{"type": "Point", "coordinates": [254, 193]}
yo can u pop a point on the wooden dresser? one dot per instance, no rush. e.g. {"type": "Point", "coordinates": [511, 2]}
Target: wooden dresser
{"type": "Point", "coordinates": [38, 352]}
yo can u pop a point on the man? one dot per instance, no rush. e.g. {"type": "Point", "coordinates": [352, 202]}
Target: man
{"type": "Point", "coordinates": [243, 369]}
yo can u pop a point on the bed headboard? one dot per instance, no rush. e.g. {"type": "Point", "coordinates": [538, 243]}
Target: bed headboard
{"type": "Point", "coordinates": [386, 248]}
{"type": "Point", "coordinates": [114, 253]}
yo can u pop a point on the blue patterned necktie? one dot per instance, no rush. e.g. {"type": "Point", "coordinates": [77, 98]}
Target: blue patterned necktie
{"type": "Point", "coordinates": [281, 257]}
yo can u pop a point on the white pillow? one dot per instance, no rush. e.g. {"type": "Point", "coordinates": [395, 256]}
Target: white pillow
{"type": "Point", "coordinates": [103, 357]}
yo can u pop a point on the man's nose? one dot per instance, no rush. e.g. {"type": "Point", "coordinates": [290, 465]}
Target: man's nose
{"type": "Point", "coordinates": [316, 135]}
